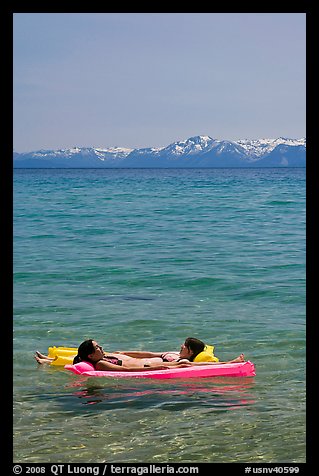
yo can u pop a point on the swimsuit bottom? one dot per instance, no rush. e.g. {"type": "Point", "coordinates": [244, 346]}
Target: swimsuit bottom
{"type": "Point", "coordinates": [170, 357]}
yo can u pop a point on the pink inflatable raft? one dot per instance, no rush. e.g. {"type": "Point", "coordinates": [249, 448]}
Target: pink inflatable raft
{"type": "Point", "coordinates": [240, 369]}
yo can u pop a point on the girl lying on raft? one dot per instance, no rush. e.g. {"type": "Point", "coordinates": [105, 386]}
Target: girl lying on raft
{"type": "Point", "coordinates": [91, 351]}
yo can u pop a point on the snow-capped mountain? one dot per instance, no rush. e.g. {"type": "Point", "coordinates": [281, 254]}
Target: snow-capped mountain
{"type": "Point", "coordinates": [198, 151]}
{"type": "Point", "coordinates": [260, 147]}
{"type": "Point", "coordinates": [191, 146]}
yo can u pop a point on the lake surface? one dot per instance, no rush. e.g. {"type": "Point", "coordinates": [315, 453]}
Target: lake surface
{"type": "Point", "coordinates": [140, 260]}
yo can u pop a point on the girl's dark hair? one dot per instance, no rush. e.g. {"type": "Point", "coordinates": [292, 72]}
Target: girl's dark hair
{"type": "Point", "coordinates": [195, 345]}
{"type": "Point", "coordinates": [84, 350]}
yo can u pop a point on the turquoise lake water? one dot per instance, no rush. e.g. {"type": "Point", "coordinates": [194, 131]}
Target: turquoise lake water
{"type": "Point", "coordinates": [142, 259]}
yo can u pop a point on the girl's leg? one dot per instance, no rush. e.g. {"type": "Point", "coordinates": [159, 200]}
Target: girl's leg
{"type": "Point", "coordinates": [43, 359]}
{"type": "Point", "coordinates": [240, 358]}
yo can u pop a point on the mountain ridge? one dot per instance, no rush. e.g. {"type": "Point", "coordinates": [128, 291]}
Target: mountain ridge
{"type": "Point", "coordinates": [196, 151]}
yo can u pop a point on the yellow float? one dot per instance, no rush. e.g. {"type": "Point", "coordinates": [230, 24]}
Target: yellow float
{"type": "Point", "coordinates": [62, 355]}
{"type": "Point", "coordinates": [65, 355]}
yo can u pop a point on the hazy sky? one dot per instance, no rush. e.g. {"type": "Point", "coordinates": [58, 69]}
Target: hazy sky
{"type": "Point", "coordinates": [148, 79]}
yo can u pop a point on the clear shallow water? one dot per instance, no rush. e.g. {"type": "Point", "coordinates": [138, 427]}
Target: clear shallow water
{"type": "Point", "coordinates": [141, 259]}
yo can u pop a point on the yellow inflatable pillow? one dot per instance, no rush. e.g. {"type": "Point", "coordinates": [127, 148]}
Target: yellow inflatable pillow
{"type": "Point", "coordinates": [62, 355]}
{"type": "Point", "coordinates": [207, 355]}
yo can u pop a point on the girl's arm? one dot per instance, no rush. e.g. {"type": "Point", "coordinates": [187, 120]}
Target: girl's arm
{"type": "Point", "coordinates": [184, 361]}
{"type": "Point", "coordinates": [238, 359]}
{"type": "Point", "coordinates": [139, 354]}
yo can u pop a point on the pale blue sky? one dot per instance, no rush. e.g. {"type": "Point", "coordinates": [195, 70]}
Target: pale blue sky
{"type": "Point", "coordinates": [148, 79]}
